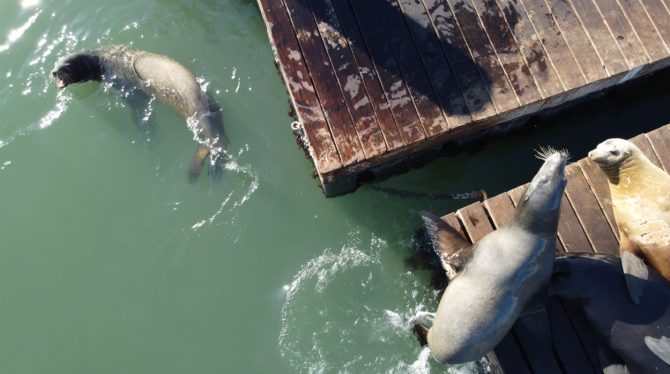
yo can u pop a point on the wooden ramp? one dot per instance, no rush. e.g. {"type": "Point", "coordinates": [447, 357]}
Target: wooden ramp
{"type": "Point", "coordinates": [379, 85]}
{"type": "Point", "coordinates": [586, 225]}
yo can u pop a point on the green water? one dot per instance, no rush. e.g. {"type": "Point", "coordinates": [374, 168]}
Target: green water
{"type": "Point", "coordinates": [110, 262]}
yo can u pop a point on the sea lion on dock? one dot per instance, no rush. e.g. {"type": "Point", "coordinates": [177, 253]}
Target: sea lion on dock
{"type": "Point", "coordinates": [133, 71]}
{"type": "Point", "coordinates": [641, 203]}
{"type": "Point", "coordinates": [500, 277]}
{"type": "Point", "coordinates": [635, 333]}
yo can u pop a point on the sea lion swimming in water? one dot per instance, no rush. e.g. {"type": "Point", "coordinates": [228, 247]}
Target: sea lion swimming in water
{"type": "Point", "coordinates": [641, 202]}
{"type": "Point", "coordinates": [157, 76]}
{"type": "Point", "coordinates": [500, 277]}
{"type": "Point", "coordinates": [635, 333]}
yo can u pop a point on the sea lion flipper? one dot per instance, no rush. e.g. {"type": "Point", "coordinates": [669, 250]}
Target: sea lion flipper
{"type": "Point", "coordinates": [421, 333]}
{"type": "Point", "coordinates": [610, 362]}
{"type": "Point", "coordinates": [660, 347]}
{"type": "Point", "coordinates": [635, 273]}
{"type": "Point", "coordinates": [446, 240]}
{"type": "Point", "coordinates": [196, 163]}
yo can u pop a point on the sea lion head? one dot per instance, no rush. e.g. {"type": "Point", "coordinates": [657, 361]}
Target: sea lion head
{"type": "Point", "coordinates": [546, 189]}
{"type": "Point", "coordinates": [613, 152]}
{"type": "Point", "coordinates": [77, 68]}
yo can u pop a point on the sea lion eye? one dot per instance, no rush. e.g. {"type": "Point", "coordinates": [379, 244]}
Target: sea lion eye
{"type": "Point", "coordinates": [614, 153]}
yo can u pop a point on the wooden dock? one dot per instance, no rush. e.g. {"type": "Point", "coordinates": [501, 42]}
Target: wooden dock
{"type": "Point", "coordinates": [586, 225]}
{"type": "Point", "coordinates": [379, 85]}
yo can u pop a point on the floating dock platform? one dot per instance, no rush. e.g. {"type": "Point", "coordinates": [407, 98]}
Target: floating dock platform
{"type": "Point", "coordinates": [586, 225]}
{"type": "Point", "coordinates": [380, 85]}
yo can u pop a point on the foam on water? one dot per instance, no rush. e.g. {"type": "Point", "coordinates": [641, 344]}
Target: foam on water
{"type": "Point", "coordinates": [344, 298]}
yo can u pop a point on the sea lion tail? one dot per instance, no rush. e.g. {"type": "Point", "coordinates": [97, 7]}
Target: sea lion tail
{"type": "Point", "coordinates": [196, 163]}
{"type": "Point", "coordinates": [421, 332]}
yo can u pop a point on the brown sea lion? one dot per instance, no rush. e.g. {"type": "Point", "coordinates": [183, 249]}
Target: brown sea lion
{"type": "Point", "coordinates": [133, 71]}
{"type": "Point", "coordinates": [501, 277]}
{"type": "Point", "coordinates": [641, 202]}
{"type": "Point", "coordinates": [630, 337]}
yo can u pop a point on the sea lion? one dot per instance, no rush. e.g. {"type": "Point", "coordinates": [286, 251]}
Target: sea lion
{"type": "Point", "coordinates": [500, 277]}
{"type": "Point", "coordinates": [132, 72]}
{"type": "Point", "coordinates": [641, 202]}
{"type": "Point", "coordinates": [636, 334]}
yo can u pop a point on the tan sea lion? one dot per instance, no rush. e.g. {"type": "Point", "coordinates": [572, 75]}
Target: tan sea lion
{"type": "Point", "coordinates": [641, 202]}
{"type": "Point", "coordinates": [134, 73]}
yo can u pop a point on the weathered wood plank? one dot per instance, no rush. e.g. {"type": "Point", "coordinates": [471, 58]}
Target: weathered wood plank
{"type": "Point", "coordinates": [600, 36]}
{"type": "Point", "coordinates": [299, 85]}
{"type": "Point", "coordinates": [592, 219]}
{"type": "Point", "coordinates": [474, 220]}
{"type": "Point", "coordinates": [500, 208]}
{"type": "Point", "coordinates": [441, 75]}
{"type": "Point", "coordinates": [574, 359]}
{"type": "Point", "coordinates": [510, 357]}
{"type": "Point", "coordinates": [507, 51]}
{"type": "Point", "coordinates": [499, 88]}
{"type": "Point", "coordinates": [642, 142]}
{"type": "Point", "coordinates": [554, 43]}
{"type": "Point", "coordinates": [531, 48]}
{"type": "Point", "coordinates": [344, 133]}
{"type": "Point", "coordinates": [570, 230]}
{"type": "Point", "coordinates": [644, 29]}
{"type": "Point", "coordinates": [373, 87]}
{"type": "Point", "coordinates": [433, 119]}
{"type": "Point", "coordinates": [660, 143]}
{"type": "Point", "coordinates": [350, 82]}
{"type": "Point", "coordinates": [661, 18]}
{"type": "Point", "coordinates": [580, 45]}
{"type": "Point", "coordinates": [626, 38]}
{"type": "Point", "coordinates": [457, 52]}
{"type": "Point", "coordinates": [386, 67]}
{"type": "Point", "coordinates": [585, 333]}
{"type": "Point", "coordinates": [597, 180]}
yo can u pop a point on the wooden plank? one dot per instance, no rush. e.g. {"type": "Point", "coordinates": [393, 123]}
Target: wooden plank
{"type": "Point", "coordinates": [501, 92]}
{"type": "Point", "coordinates": [386, 67]}
{"type": "Point", "coordinates": [439, 71]}
{"type": "Point", "coordinates": [531, 48]}
{"type": "Point", "coordinates": [570, 352]}
{"type": "Point", "coordinates": [570, 230]}
{"type": "Point", "coordinates": [299, 85]}
{"type": "Point", "coordinates": [457, 52]}
{"type": "Point", "coordinates": [580, 45]}
{"type": "Point", "coordinates": [598, 183]}
{"type": "Point", "coordinates": [587, 210]}
{"type": "Point", "coordinates": [474, 220]}
{"type": "Point", "coordinates": [324, 80]}
{"type": "Point", "coordinates": [500, 209]}
{"type": "Point", "coordinates": [626, 38]}
{"type": "Point", "coordinates": [373, 87]}
{"type": "Point", "coordinates": [660, 143]}
{"type": "Point", "coordinates": [515, 195]}
{"type": "Point", "coordinates": [510, 357]}
{"type": "Point", "coordinates": [643, 144]}
{"type": "Point", "coordinates": [601, 38]}
{"type": "Point", "coordinates": [420, 88]}
{"type": "Point", "coordinates": [507, 51]}
{"type": "Point", "coordinates": [644, 29]}
{"type": "Point", "coordinates": [350, 82]}
{"type": "Point", "coordinates": [557, 49]}
{"type": "Point", "coordinates": [661, 18]}
{"type": "Point", "coordinates": [585, 333]}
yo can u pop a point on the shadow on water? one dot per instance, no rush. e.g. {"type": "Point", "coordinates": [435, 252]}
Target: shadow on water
{"type": "Point", "coordinates": [420, 48]}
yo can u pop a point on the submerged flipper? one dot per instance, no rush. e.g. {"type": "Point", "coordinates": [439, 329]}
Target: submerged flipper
{"type": "Point", "coordinates": [609, 361]}
{"type": "Point", "coordinates": [421, 333]}
{"type": "Point", "coordinates": [449, 244]}
{"type": "Point", "coordinates": [196, 163]}
{"type": "Point", "coordinates": [636, 273]}
{"type": "Point", "coordinates": [660, 347]}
